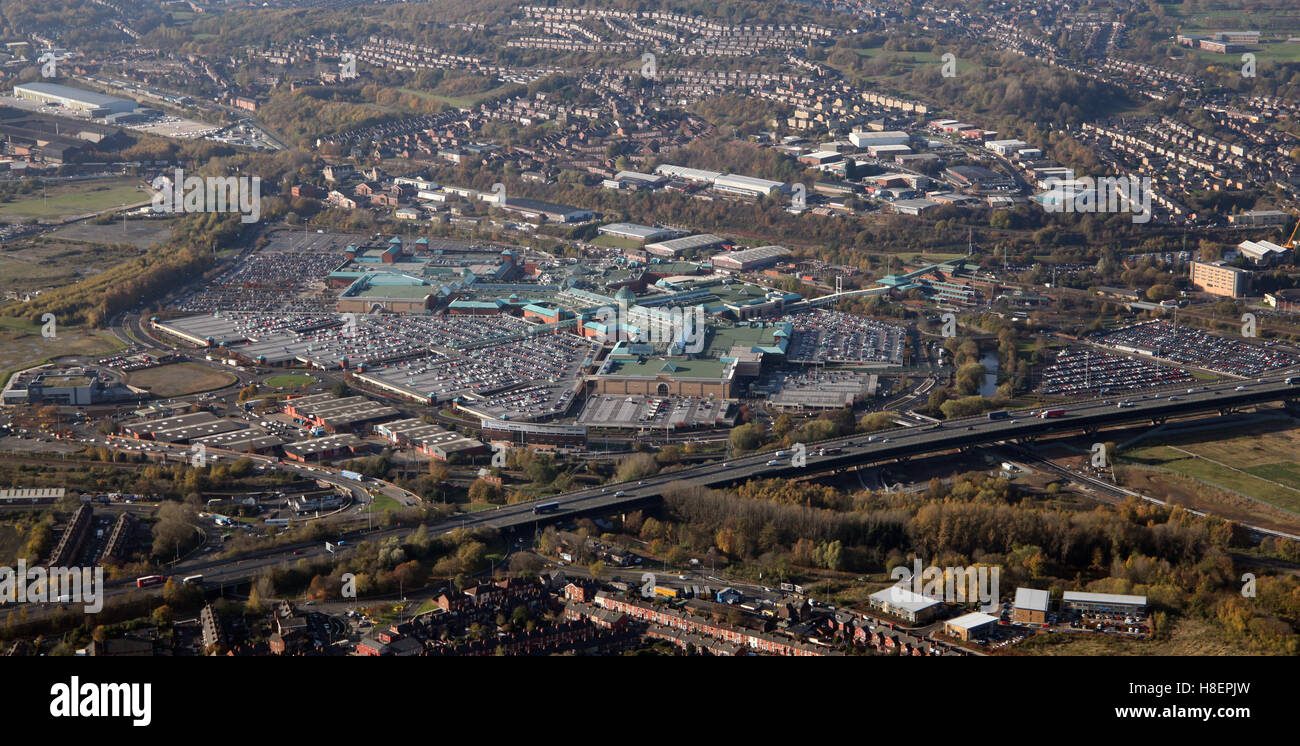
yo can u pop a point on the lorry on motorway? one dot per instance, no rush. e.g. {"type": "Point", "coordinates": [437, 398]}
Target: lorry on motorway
{"type": "Point", "coordinates": [1293, 380]}
{"type": "Point", "coordinates": [354, 476]}
{"type": "Point", "coordinates": [545, 508]}
{"type": "Point", "coordinates": [192, 579]}
{"type": "Point", "coordinates": [145, 581]}
{"type": "Point", "coordinates": [1052, 413]}
{"type": "Point", "coordinates": [1001, 414]}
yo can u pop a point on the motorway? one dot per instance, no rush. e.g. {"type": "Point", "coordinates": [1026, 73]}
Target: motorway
{"type": "Point", "coordinates": [855, 451]}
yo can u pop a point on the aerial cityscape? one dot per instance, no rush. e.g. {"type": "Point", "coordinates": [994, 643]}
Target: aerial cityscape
{"type": "Point", "coordinates": [350, 328]}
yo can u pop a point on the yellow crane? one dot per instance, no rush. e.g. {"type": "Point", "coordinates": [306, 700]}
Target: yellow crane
{"type": "Point", "coordinates": [1290, 242]}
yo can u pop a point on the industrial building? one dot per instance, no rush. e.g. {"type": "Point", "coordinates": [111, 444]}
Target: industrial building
{"type": "Point", "coordinates": [747, 186]}
{"type": "Point", "coordinates": [1106, 603]}
{"type": "Point", "coordinates": [904, 604]}
{"type": "Point", "coordinates": [678, 247]}
{"type": "Point", "coordinates": [1259, 218]}
{"type": "Point", "coordinates": [535, 209]}
{"type": "Point", "coordinates": [335, 415]}
{"type": "Point", "coordinates": [636, 232]}
{"type": "Point", "coordinates": [972, 626]}
{"type": "Point", "coordinates": [91, 103]}
{"type": "Point", "coordinates": [750, 259]}
{"type": "Point", "coordinates": [328, 447]}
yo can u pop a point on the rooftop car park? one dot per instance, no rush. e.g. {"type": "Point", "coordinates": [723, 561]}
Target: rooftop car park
{"type": "Point", "coordinates": [646, 412]}
{"type": "Point", "coordinates": [1198, 348]}
{"type": "Point", "coordinates": [826, 336]}
{"type": "Point", "coordinates": [816, 389]}
{"type": "Point", "coordinates": [1079, 371]}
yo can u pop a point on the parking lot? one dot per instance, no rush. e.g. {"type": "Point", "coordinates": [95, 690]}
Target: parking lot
{"type": "Point", "coordinates": [287, 275]}
{"type": "Point", "coordinates": [825, 336]}
{"type": "Point", "coordinates": [1079, 371]}
{"type": "Point", "coordinates": [652, 412]}
{"type": "Point", "coordinates": [817, 389]}
{"type": "Point", "coordinates": [1199, 348]}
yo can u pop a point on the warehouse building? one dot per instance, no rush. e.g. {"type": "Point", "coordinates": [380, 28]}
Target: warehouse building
{"type": "Point", "coordinates": [1105, 603]}
{"type": "Point", "coordinates": [337, 415]}
{"type": "Point", "coordinates": [904, 604]}
{"type": "Point", "coordinates": [328, 447]}
{"type": "Point", "coordinates": [890, 137]}
{"type": "Point", "coordinates": [685, 245]}
{"type": "Point", "coordinates": [535, 209]}
{"type": "Point", "coordinates": [747, 186]}
{"type": "Point", "coordinates": [181, 428]}
{"type": "Point", "coordinates": [636, 232]}
{"type": "Point", "coordinates": [1260, 218]}
{"type": "Point", "coordinates": [750, 259]}
{"type": "Point", "coordinates": [972, 626]}
{"type": "Point", "coordinates": [91, 103]}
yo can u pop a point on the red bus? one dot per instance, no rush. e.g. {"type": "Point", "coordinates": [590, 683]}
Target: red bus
{"type": "Point", "coordinates": [1052, 413]}
{"type": "Point", "coordinates": [148, 580]}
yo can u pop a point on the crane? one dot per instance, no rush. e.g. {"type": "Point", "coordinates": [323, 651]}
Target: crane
{"type": "Point", "coordinates": [1290, 242]}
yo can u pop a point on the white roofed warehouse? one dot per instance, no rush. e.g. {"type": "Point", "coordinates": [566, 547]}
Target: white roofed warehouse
{"type": "Point", "coordinates": [93, 104]}
{"type": "Point", "coordinates": [750, 259]}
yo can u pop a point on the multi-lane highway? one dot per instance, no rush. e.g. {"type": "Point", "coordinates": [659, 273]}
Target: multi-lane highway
{"type": "Point", "coordinates": [849, 451]}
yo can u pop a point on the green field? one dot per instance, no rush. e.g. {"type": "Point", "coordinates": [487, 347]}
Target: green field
{"type": "Point", "coordinates": [68, 200]}
{"type": "Point", "coordinates": [290, 381]}
{"type": "Point", "coordinates": [382, 502]}
{"type": "Point", "coordinates": [616, 242]}
{"type": "Point", "coordinates": [1252, 481]}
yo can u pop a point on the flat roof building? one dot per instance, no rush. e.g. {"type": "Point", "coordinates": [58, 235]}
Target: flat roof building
{"type": "Point", "coordinates": [636, 232]}
{"type": "Point", "coordinates": [970, 626]}
{"type": "Point", "coordinates": [1218, 278]}
{"type": "Point", "coordinates": [750, 259]}
{"type": "Point", "coordinates": [904, 604]}
{"type": "Point", "coordinates": [681, 246]}
{"type": "Point", "coordinates": [1103, 602]}
{"type": "Point", "coordinates": [93, 104]}
{"type": "Point", "coordinates": [1253, 218]}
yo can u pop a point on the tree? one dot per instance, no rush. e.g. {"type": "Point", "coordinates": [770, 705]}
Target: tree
{"type": "Point", "coordinates": [744, 437]}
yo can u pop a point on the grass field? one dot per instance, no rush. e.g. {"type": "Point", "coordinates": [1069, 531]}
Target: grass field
{"type": "Point", "coordinates": [617, 242]}
{"type": "Point", "coordinates": [179, 379]}
{"type": "Point", "coordinates": [1259, 463]}
{"type": "Point", "coordinates": [383, 502]}
{"type": "Point", "coordinates": [290, 381]}
{"type": "Point", "coordinates": [49, 261]}
{"type": "Point", "coordinates": [1188, 637]}
{"type": "Point", "coordinates": [79, 198]}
